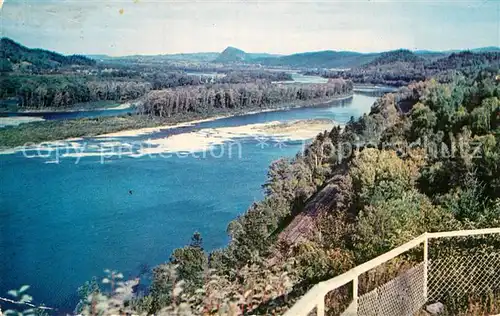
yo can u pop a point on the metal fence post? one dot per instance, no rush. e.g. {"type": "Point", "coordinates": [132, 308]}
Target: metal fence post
{"type": "Point", "coordinates": [355, 294]}
{"type": "Point", "coordinates": [426, 264]}
{"type": "Point", "coordinates": [320, 305]}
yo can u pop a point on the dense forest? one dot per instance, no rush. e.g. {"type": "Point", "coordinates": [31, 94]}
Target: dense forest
{"type": "Point", "coordinates": [426, 158]}
{"type": "Point", "coordinates": [63, 91]}
{"type": "Point", "coordinates": [168, 102]}
{"type": "Point", "coordinates": [401, 67]}
{"type": "Point", "coordinates": [17, 57]}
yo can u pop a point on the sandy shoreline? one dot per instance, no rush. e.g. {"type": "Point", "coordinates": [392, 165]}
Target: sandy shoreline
{"type": "Point", "coordinates": [205, 139]}
{"type": "Point", "coordinates": [270, 133]}
{"type": "Point", "coordinates": [151, 130]}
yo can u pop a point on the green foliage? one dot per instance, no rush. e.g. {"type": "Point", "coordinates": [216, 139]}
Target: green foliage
{"type": "Point", "coordinates": [88, 289]}
{"type": "Point", "coordinates": [196, 241]}
{"type": "Point", "coordinates": [38, 58]}
{"type": "Point", "coordinates": [387, 224]}
{"type": "Point", "coordinates": [191, 261]}
{"type": "Point", "coordinates": [423, 121]}
{"type": "Point", "coordinates": [315, 263]}
{"type": "Point", "coordinates": [63, 91]}
{"type": "Point", "coordinates": [380, 175]}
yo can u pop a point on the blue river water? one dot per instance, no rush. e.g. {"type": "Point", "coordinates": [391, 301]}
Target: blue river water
{"type": "Point", "coordinates": [61, 224]}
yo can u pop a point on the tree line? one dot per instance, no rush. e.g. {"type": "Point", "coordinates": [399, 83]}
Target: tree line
{"type": "Point", "coordinates": [204, 99]}
{"type": "Point", "coordinates": [60, 91]}
{"type": "Point", "coordinates": [64, 90]}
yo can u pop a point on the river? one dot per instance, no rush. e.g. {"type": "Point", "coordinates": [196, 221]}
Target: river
{"type": "Point", "coordinates": [61, 224]}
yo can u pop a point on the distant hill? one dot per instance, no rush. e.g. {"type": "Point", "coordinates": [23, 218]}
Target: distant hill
{"type": "Point", "coordinates": [430, 55]}
{"type": "Point", "coordinates": [400, 55]}
{"type": "Point", "coordinates": [466, 59]}
{"type": "Point", "coordinates": [338, 59]}
{"type": "Point", "coordinates": [98, 56]}
{"type": "Point", "coordinates": [320, 59]}
{"type": "Point", "coordinates": [489, 49]}
{"type": "Point", "coordinates": [233, 54]}
{"type": "Point", "coordinates": [15, 55]}
{"type": "Point", "coordinates": [193, 57]}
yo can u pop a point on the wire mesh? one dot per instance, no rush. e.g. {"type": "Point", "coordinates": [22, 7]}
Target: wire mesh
{"type": "Point", "coordinates": [463, 273]}
{"type": "Point", "coordinates": [401, 296]}
{"type": "Point", "coordinates": [456, 276]}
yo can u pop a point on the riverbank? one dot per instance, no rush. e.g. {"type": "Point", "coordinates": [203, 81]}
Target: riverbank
{"type": "Point", "coordinates": [128, 125]}
{"type": "Point", "coordinates": [16, 120]}
{"type": "Point", "coordinates": [149, 130]}
{"type": "Point", "coordinates": [88, 106]}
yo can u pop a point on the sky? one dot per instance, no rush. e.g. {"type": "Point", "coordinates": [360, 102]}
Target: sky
{"type": "Point", "coordinates": [129, 27]}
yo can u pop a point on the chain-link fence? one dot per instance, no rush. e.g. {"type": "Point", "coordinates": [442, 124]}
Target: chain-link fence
{"type": "Point", "coordinates": [456, 269]}
{"type": "Point", "coordinates": [402, 296]}
{"type": "Point", "coordinates": [461, 275]}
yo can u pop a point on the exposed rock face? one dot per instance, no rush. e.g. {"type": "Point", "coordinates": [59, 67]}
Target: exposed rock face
{"type": "Point", "coordinates": [331, 197]}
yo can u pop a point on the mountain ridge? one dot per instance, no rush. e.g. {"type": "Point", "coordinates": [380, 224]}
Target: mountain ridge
{"type": "Point", "coordinates": [340, 59]}
{"type": "Point", "coordinates": [18, 55]}
{"type": "Point", "coordinates": [14, 54]}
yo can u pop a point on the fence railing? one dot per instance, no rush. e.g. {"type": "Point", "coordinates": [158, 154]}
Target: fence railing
{"type": "Point", "coordinates": [407, 293]}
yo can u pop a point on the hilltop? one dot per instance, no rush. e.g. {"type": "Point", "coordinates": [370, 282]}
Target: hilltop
{"type": "Point", "coordinates": [16, 56]}
{"type": "Point", "coordinates": [395, 56]}
{"type": "Point", "coordinates": [233, 54]}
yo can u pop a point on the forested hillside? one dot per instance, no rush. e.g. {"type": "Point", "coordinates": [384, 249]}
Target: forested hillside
{"type": "Point", "coordinates": [329, 59]}
{"type": "Point", "coordinates": [14, 56]}
{"type": "Point", "coordinates": [426, 158]}
{"type": "Point", "coordinates": [321, 59]}
{"type": "Point", "coordinates": [402, 67]}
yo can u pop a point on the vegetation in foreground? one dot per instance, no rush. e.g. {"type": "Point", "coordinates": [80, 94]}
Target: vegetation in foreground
{"type": "Point", "coordinates": [378, 199]}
